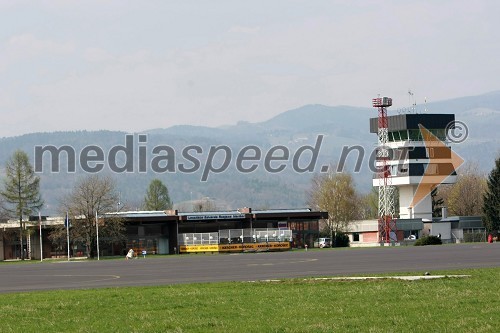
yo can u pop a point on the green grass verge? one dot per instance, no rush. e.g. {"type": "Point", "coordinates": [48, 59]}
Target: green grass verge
{"type": "Point", "coordinates": [443, 305]}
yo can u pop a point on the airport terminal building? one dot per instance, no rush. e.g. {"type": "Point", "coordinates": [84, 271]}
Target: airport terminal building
{"type": "Point", "coordinates": [173, 232]}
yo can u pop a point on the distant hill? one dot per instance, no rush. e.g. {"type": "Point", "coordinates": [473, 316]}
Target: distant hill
{"type": "Point", "coordinates": [340, 126]}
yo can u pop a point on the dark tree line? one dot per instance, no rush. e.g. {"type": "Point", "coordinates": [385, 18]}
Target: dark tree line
{"type": "Point", "coordinates": [491, 200]}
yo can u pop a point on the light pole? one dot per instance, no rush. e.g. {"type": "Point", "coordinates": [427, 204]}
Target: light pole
{"type": "Point", "coordinates": [97, 233]}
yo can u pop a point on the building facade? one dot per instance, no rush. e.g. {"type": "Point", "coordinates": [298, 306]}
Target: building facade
{"type": "Point", "coordinates": [172, 232]}
{"type": "Point", "coordinates": [454, 229]}
{"type": "Point", "coordinates": [421, 158]}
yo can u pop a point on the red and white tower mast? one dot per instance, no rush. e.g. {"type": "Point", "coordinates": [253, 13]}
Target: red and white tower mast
{"type": "Point", "coordinates": [386, 222]}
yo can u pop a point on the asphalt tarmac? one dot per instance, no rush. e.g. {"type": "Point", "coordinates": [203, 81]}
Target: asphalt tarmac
{"type": "Point", "coordinates": [243, 266]}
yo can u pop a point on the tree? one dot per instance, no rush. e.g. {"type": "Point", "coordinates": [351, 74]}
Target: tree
{"type": "Point", "coordinates": [437, 203]}
{"type": "Point", "coordinates": [335, 193]}
{"type": "Point", "coordinates": [369, 204]}
{"type": "Point", "coordinates": [465, 197]}
{"type": "Point", "coordinates": [491, 200]}
{"type": "Point", "coordinates": [157, 197]}
{"type": "Point", "coordinates": [57, 236]}
{"type": "Point", "coordinates": [205, 204]}
{"type": "Point", "coordinates": [4, 216]}
{"type": "Point", "coordinates": [91, 195]}
{"type": "Point", "coordinates": [21, 191]}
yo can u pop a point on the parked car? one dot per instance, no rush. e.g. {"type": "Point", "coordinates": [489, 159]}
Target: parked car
{"type": "Point", "coordinates": [324, 242]}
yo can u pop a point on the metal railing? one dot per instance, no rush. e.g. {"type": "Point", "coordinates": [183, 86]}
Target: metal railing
{"type": "Point", "coordinates": [205, 238]}
{"type": "Point", "coordinates": [235, 236]}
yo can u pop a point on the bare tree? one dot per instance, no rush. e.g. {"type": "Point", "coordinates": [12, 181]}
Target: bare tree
{"type": "Point", "coordinates": [4, 215]}
{"type": "Point", "coordinates": [205, 204]}
{"type": "Point", "coordinates": [90, 196]}
{"type": "Point", "coordinates": [335, 193]}
{"type": "Point", "coordinates": [369, 204]}
{"type": "Point", "coordinates": [465, 197]}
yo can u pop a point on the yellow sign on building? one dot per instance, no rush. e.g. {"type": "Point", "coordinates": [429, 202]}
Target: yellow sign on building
{"type": "Point", "coordinates": [272, 246]}
{"type": "Point", "coordinates": [198, 248]}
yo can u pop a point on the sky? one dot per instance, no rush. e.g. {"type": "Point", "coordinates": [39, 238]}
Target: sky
{"type": "Point", "coordinates": [138, 65]}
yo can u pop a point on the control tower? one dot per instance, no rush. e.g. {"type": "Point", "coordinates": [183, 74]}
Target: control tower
{"type": "Point", "coordinates": [419, 158]}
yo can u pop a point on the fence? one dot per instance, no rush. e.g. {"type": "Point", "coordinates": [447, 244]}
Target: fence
{"type": "Point", "coordinates": [206, 238]}
{"type": "Point", "coordinates": [474, 235]}
{"type": "Point", "coordinates": [469, 235]}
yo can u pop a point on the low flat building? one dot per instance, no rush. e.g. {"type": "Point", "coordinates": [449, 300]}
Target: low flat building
{"type": "Point", "coordinates": [171, 232]}
{"type": "Point", "coordinates": [454, 229]}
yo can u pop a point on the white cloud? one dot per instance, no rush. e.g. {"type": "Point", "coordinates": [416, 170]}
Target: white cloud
{"type": "Point", "coordinates": [28, 45]}
{"type": "Point", "coordinates": [244, 30]}
{"type": "Point", "coordinates": [28, 50]}
{"type": "Point", "coordinates": [95, 54]}
{"type": "Point", "coordinates": [126, 72]}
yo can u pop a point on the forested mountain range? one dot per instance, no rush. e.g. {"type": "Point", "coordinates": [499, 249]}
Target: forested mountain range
{"type": "Point", "coordinates": [337, 127]}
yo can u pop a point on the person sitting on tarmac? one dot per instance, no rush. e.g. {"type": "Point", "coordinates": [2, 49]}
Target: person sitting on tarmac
{"type": "Point", "coordinates": [130, 254]}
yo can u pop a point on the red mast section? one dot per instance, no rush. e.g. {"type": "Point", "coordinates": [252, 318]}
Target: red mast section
{"type": "Point", "coordinates": [386, 222]}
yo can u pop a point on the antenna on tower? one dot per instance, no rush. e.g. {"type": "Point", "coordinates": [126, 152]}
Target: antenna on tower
{"type": "Point", "coordinates": [412, 102]}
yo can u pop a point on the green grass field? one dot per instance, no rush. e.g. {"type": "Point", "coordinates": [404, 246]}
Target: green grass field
{"type": "Point", "coordinates": [442, 305]}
